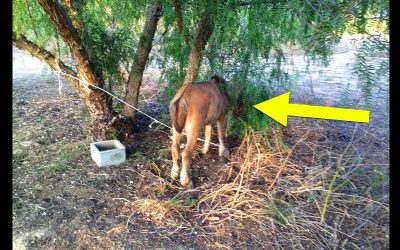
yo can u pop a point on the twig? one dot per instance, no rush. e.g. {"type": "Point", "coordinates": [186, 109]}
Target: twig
{"type": "Point", "coordinates": [337, 172]}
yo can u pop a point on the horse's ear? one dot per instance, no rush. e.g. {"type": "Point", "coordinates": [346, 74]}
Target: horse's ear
{"type": "Point", "coordinates": [216, 78]}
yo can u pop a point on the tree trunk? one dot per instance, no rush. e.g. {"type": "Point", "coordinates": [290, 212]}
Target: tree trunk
{"type": "Point", "coordinates": [96, 101]}
{"type": "Point", "coordinates": [193, 66]}
{"type": "Point", "coordinates": [141, 57]}
{"type": "Point", "coordinates": [72, 7]}
{"type": "Point", "coordinates": [204, 32]}
{"type": "Point", "coordinates": [179, 20]}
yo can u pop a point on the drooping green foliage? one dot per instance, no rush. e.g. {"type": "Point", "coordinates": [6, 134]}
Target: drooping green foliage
{"type": "Point", "coordinates": [30, 19]}
{"type": "Point", "coordinates": [372, 57]}
{"type": "Point", "coordinates": [372, 64]}
{"type": "Point", "coordinates": [110, 32]}
{"type": "Point", "coordinates": [249, 40]}
{"type": "Point", "coordinates": [247, 46]}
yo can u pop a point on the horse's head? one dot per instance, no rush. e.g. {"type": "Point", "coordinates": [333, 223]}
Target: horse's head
{"type": "Point", "coordinates": [231, 93]}
{"type": "Point", "coordinates": [238, 110]}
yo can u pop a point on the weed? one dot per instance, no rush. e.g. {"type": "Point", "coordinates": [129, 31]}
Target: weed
{"type": "Point", "coordinates": [18, 205]}
{"type": "Point", "coordinates": [279, 136]}
{"type": "Point", "coordinates": [189, 201]}
{"type": "Point", "coordinates": [136, 156]}
{"type": "Point", "coordinates": [18, 158]}
{"type": "Point", "coordinates": [174, 202]}
{"type": "Point", "coordinates": [280, 211]}
{"type": "Point", "coordinates": [312, 197]}
{"type": "Point", "coordinates": [37, 188]}
{"type": "Point", "coordinates": [64, 159]}
{"type": "Point", "coordinates": [53, 167]}
{"type": "Point", "coordinates": [359, 172]}
{"type": "Point", "coordinates": [114, 136]}
{"type": "Point", "coordinates": [84, 112]}
{"type": "Point", "coordinates": [339, 168]}
{"type": "Point", "coordinates": [39, 119]}
{"type": "Point", "coordinates": [61, 164]}
{"type": "Point", "coordinates": [195, 173]}
{"type": "Point", "coordinates": [378, 178]}
{"type": "Point", "coordinates": [118, 107]}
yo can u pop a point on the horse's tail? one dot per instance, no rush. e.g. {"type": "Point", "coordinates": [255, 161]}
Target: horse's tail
{"type": "Point", "coordinates": [178, 110]}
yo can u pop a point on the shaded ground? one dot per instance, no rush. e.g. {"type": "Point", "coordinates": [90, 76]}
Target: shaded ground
{"type": "Point", "coordinates": [264, 196]}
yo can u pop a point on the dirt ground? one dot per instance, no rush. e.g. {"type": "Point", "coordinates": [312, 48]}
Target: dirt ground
{"type": "Point", "coordinates": [266, 195]}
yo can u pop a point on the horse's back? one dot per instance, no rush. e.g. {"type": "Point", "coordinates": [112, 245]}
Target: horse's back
{"type": "Point", "coordinates": [205, 101]}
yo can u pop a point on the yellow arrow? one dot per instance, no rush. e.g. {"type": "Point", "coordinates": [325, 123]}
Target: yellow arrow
{"type": "Point", "coordinates": [279, 108]}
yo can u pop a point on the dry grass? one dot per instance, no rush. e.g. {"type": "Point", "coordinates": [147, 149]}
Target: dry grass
{"type": "Point", "coordinates": [158, 212]}
{"type": "Point", "coordinates": [88, 239]}
{"type": "Point", "coordinates": [271, 197]}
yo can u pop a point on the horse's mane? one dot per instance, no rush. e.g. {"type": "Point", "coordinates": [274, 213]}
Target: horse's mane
{"type": "Point", "coordinates": [217, 78]}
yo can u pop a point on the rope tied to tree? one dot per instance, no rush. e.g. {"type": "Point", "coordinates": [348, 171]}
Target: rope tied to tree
{"type": "Point", "coordinates": [60, 72]}
{"type": "Point", "coordinates": [59, 81]}
{"type": "Point", "coordinates": [59, 76]}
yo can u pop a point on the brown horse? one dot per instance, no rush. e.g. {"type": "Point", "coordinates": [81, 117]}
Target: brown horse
{"type": "Point", "coordinates": [196, 106]}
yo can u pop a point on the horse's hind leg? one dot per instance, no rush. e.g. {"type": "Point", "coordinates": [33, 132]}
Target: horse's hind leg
{"type": "Point", "coordinates": [176, 140]}
{"type": "Point", "coordinates": [208, 132]}
{"type": "Point", "coordinates": [223, 151]}
{"type": "Point", "coordinates": [192, 131]}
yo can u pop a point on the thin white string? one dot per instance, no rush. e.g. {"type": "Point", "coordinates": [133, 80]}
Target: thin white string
{"type": "Point", "coordinates": [119, 99]}
{"type": "Point", "coordinates": [59, 81]}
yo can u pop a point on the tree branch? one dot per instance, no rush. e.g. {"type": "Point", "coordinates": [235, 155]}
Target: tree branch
{"type": "Point", "coordinates": [179, 20]}
{"type": "Point", "coordinates": [72, 7]}
{"type": "Point", "coordinates": [247, 3]}
{"type": "Point", "coordinates": [141, 57]}
{"type": "Point", "coordinates": [204, 30]}
{"type": "Point", "coordinates": [45, 56]}
{"type": "Point", "coordinates": [98, 103]}
{"type": "Point", "coordinates": [203, 34]}
{"type": "Point", "coordinates": [70, 35]}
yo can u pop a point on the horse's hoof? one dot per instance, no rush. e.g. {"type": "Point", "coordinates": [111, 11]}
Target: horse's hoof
{"type": "Point", "coordinates": [186, 182]}
{"type": "Point", "coordinates": [188, 185]}
{"type": "Point", "coordinates": [224, 153]}
{"type": "Point", "coordinates": [174, 175]}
